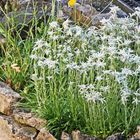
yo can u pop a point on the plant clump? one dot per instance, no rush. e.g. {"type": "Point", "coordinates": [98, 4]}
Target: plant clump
{"type": "Point", "coordinates": [77, 78]}
{"type": "Point", "coordinates": [88, 79]}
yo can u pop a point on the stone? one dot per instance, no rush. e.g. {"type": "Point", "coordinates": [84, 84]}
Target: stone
{"type": "Point", "coordinates": [65, 136]}
{"type": "Point", "coordinates": [8, 99]}
{"type": "Point", "coordinates": [29, 119]}
{"type": "Point", "coordinates": [81, 13]}
{"type": "Point", "coordinates": [24, 16]}
{"type": "Point", "coordinates": [26, 133]}
{"type": "Point", "coordinates": [96, 19]}
{"type": "Point", "coordinates": [11, 130]}
{"type": "Point", "coordinates": [76, 135]}
{"type": "Point", "coordinates": [5, 130]}
{"type": "Point", "coordinates": [117, 136]}
{"type": "Point", "coordinates": [86, 15]}
{"type": "Point", "coordinates": [136, 136]}
{"type": "Point", "coordinates": [45, 135]}
{"type": "Point", "coordinates": [100, 4]}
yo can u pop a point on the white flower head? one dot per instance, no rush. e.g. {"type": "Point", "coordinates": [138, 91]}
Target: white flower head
{"type": "Point", "coordinates": [66, 24]}
{"type": "Point", "coordinates": [53, 25]}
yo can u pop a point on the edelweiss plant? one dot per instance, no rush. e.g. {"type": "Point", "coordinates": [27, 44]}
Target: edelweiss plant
{"type": "Point", "coordinates": [88, 79]}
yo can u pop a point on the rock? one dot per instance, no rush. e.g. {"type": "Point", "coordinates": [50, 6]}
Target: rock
{"type": "Point", "coordinates": [121, 14]}
{"type": "Point", "coordinates": [45, 135]}
{"type": "Point", "coordinates": [11, 130]}
{"type": "Point", "coordinates": [86, 15]}
{"type": "Point", "coordinates": [76, 135]}
{"type": "Point", "coordinates": [100, 4]}
{"type": "Point", "coordinates": [25, 15]}
{"type": "Point", "coordinates": [81, 13]}
{"type": "Point", "coordinates": [96, 19]}
{"type": "Point", "coordinates": [117, 136]}
{"type": "Point", "coordinates": [86, 10]}
{"type": "Point", "coordinates": [8, 99]}
{"type": "Point", "coordinates": [29, 119]}
{"type": "Point", "coordinates": [5, 130]}
{"type": "Point", "coordinates": [26, 133]}
{"type": "Point", "coordinates": [65, 136]}
{"type": "Point", "coordinates": [136, 136]}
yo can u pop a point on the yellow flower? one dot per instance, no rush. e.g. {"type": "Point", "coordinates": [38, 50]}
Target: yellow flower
{"type": "Point", "coordinates": [71, 3]}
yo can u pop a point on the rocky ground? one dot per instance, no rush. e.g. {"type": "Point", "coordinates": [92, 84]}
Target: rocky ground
{"type": "Point", "coordinates": [16, 123]}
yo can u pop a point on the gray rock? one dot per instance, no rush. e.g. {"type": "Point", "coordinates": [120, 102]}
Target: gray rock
{"type": "Point", "coordinates": [96, 19]}
{"type": "Point", "coordinates": [117, 136]}
{"type": "Point", "coordinates": [24, 16]}
{"type": "Point", "coordinates": [136, 136]}
{"type": "Point", "coordinates": [29, 119]}
{"type": "Point", "coordinates": [10, 130]}
{"type": "Point", "coordinates": [65, 136]}
{"type": "Point", "coordinates": [8, 99]}
{"type": "Point", "coordinates": [26, 132]}
{"type": "Point", "coordinates": [45, 135]}
{"type": "Point", "coordinates": [76, 135]}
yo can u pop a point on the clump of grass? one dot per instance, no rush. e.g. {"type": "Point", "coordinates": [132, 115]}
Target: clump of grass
{"type": "Point", "coordinates": [88, 79]}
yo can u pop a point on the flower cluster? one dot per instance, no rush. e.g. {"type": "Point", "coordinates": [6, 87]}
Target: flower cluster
{"type": "Point", "coordinates": [101, 55]}
{"type": "Point", "coordinates": [98, 69]}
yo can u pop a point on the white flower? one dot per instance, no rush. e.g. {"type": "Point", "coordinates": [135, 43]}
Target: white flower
{"type": "Point", "coordinates": [49, 77]}
{"type": "Point", "coordinates": [69, 32]}
{"type": "Point", "coordinates": [47, 62]}
{"type": "Point", "coordinates": [84, 66]}
{"type": "Point", "coordinates": [125, 93]}
{"type": "Point", "coordinates": [66, 24]}
{"type": "Point", "coordinates": [90, 86]}
{"type": "Point", "coordinates": [114, 10]}
{"type": "Point", "coordinates": [78, 31]}
{"type": "Point", "coordinates": [94, 97]}
{"type": "Point", "coordinates": [137, 93]}
{"type": "Point", "coordinates": [71, 83]}
{"type": "Point", "coordinates": [34, 77]}
{"type": "Point", "coordinates": [127, 42]}
{"type": "Point", "coordinates": [77, 52]}
{"type": "Point", "coordinates": [100, 64]}
{"type": "Point", "coordinates": [135, 101]}
{"type": "Point", "coordinates": [39, 42]}
{"type": "Point", "coordinates": [73, 66]}
{"type": "Point", "coordinates": [70, 55]}
{"type": "Point", "coordinates": [99, 78]}
{"type": "Point", "coordinates": [38, 45]}
{"type": "Point", "coordinates": [136, 13]}
{"type": "Point", "coordinates": [126, 71]}
{"type": "Point", "coordinates": [33, 56]}
{"type": "Point", "coordinates": [138, 28]}
{"type": "Point", "coordinates": [53, 24]}
{"type": "Point", "coordinates": [47, 52]}
{"type": "Point", "coordinates": [104, 88]}
{"type": "Point", "coordinates": [82, 87]}
{"type": "Point", "coordinates": [55, 37]}
{"type": "Point", "coordinates": [124, 99]}
{"type": "Point", "coordinates": [104, 21]}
